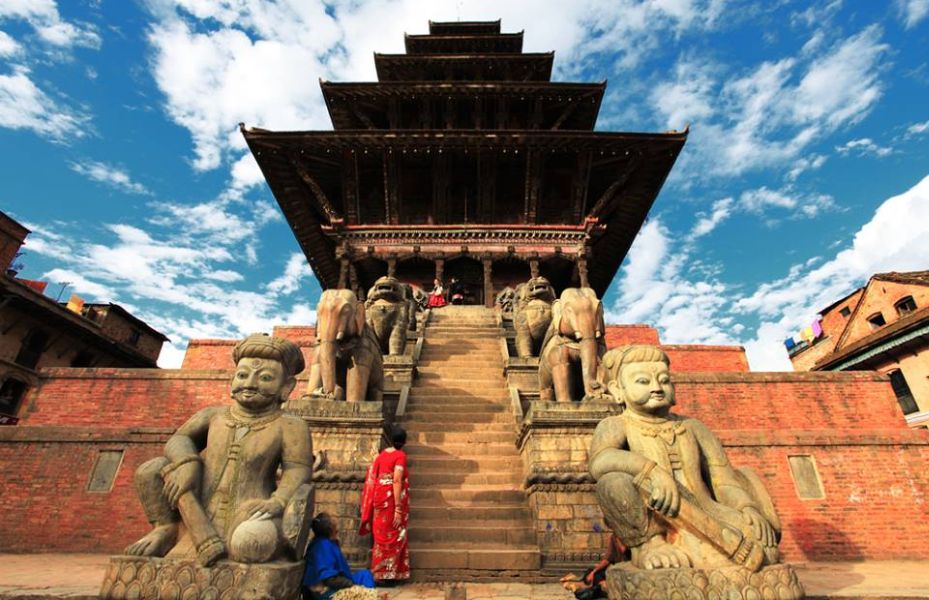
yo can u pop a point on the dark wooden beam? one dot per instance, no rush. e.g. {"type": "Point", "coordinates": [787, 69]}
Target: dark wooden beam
{"type": "Point", "coordinates": [322, 201]}
{"type": "Point", "coordinates": [350, 187]}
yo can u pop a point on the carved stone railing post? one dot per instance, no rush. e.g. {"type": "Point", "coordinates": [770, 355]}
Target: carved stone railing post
{"type": "Point", "coordinates": [554, 441]}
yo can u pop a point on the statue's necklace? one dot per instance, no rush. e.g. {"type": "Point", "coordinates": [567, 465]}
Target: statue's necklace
{"type": "Point", "coordinates": [239, 419]}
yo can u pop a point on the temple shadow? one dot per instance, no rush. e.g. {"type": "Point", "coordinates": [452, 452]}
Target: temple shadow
{"type": "Point", "coordinates": [830, 556]}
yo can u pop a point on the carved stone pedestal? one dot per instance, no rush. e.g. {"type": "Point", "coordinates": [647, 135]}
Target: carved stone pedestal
{"type": "Point", "coordinates": [625, 582]}
{"type": "Point", "coordinates": [134, 577]}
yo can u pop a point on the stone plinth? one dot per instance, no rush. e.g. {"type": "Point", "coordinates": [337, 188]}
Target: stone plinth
{"type": "Point", "coordinates": [133, 577]}
{"type": "Point", "coordinates": [554, 439]}
{"type": "Point", "coordinates": [346, 438]}
{"type": "Point", "coordinates": [625, 582]}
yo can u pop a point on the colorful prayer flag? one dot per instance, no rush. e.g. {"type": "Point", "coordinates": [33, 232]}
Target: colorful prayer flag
{"type": "Point", "coordinates": [76, 304]}
{"type": "Point", "coordinates": [38, 286]}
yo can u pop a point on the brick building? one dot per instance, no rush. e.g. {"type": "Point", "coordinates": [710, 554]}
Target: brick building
{"type": "Point", "coordinates": [882, 326]}
{"type": "Point", "coordinates": [38, 332]}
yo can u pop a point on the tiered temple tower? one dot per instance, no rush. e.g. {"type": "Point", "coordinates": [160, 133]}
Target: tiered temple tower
{"type": "Point", "coordinates": [464, 159]}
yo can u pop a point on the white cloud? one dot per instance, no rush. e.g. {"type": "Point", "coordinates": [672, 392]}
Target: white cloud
{"type": "Point", "coordinates": [43, 17]}
{"type": "Point", "coordinates": [78, 284]}
{"type": "Point", "coordinates": [805, 163]}
{"type": "Point", "coordinates": [24, 106]}
{"type": "Point", "coordinates": [863, 147]}
{"type": "Point", "coordinates": [289, 282]}
{"type": "Point", "coordinates": [767, 117]}
{"type": "Point", "coordinates": [109, 175]}
{"type": "Point", "coordinates": [917, 128]}
{"type": "Point", "coordinates": [721, 211]}
{"type": "Point", "coordinates": [656, 287]}
{"type": "Point", "coordinates": [763, 199]}
{"type": "Point", "coordinates": [913, 11]}
{"type": "Point", "coordinates": [8, 46]}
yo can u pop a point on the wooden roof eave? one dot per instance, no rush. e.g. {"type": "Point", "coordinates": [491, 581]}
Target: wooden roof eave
{"type": "Point", "coordinates": [508, 43]}
{"type": "Point", "coordinates": [307, 228]}
{"type": "Point", "coordinates": [387, 65]}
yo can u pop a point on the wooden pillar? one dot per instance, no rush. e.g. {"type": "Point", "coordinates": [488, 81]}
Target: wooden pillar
{"type": "Point", "coordinates": [353, 282]}
{"type": "Point", "coordinates": [344, 272]}
{"type": "Point", "coordinates": [392, 265]}
{"type": "Point", "coordinates": [439, 268]}
{"type": "Point", "coordinates": [350, 187]}
{"type": "Point", "coordinates": [582, 271]}
{"type": "Point", "coordinates": [533, 267]}
{"type": "Point", "coordinates": [534, 161]}
{"type": "Point", "coordinates": [488, 282]}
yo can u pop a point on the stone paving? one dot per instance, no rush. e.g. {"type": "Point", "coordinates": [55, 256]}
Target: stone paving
{"type": "Point", "coordinates": [78, 577]}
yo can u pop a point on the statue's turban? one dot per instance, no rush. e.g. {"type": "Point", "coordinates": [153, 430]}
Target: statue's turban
{"type": "Point", "coordinates": [262, 345]}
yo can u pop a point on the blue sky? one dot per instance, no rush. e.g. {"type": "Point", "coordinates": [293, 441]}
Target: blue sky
{"type": "Point", "coordinates": [805, 172]}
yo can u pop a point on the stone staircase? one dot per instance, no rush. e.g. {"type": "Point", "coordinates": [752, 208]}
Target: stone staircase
{"type": "Point", "coordinates": [469, 516]}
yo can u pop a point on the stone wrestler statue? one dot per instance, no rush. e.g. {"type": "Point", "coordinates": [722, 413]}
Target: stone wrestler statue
{"type": "Point", "coordinates": [663, 480]}
{"type": "Point", "coordinates": [215, 490]}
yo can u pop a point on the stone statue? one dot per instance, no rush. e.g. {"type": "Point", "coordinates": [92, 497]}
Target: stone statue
{"type": "Point", "coordinates": [569, 363]}
{"type": "Point", "coordinates": [532, 315]}
{"type": "Point", "coordinates": [389, 310]}
{"type": "Point", "coordinates": [213, 493]}
{"type": "Point", "coordinates": [349, 364]}
{"type": "Point", "coordinates": [505, 300]}
{"type": "Point", "coordinates": [668, 491]}
{"type": "Point", "coordinates": [420, 299]}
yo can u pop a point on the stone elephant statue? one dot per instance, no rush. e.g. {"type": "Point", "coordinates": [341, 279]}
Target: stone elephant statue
{"type": "Point", "coordinates": [532, 315]}
{"type": "Point", "coordinates": [569, 364]}
{"type": "Point", "coordinates": [390, 312]}
{"type": "Point", "coordinates": [348, 364]}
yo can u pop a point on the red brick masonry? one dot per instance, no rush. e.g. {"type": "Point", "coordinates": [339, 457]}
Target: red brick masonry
{"type": "Point", "coordinates": [872, 466]}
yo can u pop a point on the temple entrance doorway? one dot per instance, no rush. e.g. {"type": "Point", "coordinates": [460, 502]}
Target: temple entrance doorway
{"type": "Point", "coordinates": [470, 272]}
{"type": "Point", "coordinates": [417, 271]}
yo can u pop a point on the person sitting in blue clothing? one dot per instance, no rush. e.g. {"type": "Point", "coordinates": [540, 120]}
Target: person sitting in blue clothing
{"type": "Point", "coordinates": [327, 572]}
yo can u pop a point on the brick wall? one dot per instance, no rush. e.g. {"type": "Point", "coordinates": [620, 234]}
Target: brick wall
{"type": "Point", "coordinates": [217, 354]}
{"type": "Point", "coordinates": [122, 397]}
{"type": "Point", "coordinates": [45, 505]}
{"type": "Point", "coordinates": [619, 335]}
{"type": "Point", "coordinates": [692, 357]}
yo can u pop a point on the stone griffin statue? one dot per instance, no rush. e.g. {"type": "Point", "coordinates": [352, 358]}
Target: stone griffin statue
{"type": "Point", "coordinates": [348, 362]}
{"type": "Point", "coordinates": [505, 300]}
{"type": "Point", "coordinates": [668, 491]}
{"type": "Point", "coordinates": [216, 490]}
{"type": "Point", "coordinates": [389, 310]}
{"type": "Point", "coordinates": [532, 315]}
{"type": "Point", "coordinates": [569, 363]}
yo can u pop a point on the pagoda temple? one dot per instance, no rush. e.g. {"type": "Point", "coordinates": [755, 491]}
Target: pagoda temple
{"type": "Point", "coordinates": [464, 160]}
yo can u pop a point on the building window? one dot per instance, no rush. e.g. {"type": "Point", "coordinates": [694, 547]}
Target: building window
{"type": "Point", "coordinates": [34, 345]}
{"type": "Point", "coordinates": [876, 320]}
{"type": "Point", "coordinates": [11, 394]}
{"type": "Point", "coordinates": [902, 392]}
{"type": "Point", "coordinates": [103, 473]}
{"type": "Point", "coordinates": [83, 359]}
{"type": "Point", "coordinates": [905, 306]}
{"type": "Point", "coordinates": [806, 478]}
{"type": "Point", "coordinates": [845, 311]}
{"type": "Point", "coordinates": [134, 336]}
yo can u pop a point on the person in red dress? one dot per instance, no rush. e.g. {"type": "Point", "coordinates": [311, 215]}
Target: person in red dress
{"type": "Point", "coordinates": [385, 511]}
{"type": "Point", "coordinates": [437, 296]}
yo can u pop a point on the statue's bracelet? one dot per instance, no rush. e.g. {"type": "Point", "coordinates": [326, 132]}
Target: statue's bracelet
{"type": "Point", "coordinates": [175, 465]}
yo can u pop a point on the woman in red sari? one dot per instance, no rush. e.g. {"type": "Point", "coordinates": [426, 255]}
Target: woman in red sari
{"type": "Point", "coordinates": [437, 296]}
{"type": "Point", "coordinates": [385, 511]}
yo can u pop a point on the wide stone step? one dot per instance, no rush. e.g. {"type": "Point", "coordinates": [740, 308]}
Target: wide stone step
{"type": "Point", "coordinates": [499, 515]}
{"type": "Point", "coordinates": [462, 428]}
{"type": "Point", "coordinates": [430, 478]}
{"type": "Point", "coordinates": [465, 451]}
{"type": "Point", "coordinates": [430, 533]}
{"type": "Point", "coordinates": [452, 419]}
{"type": "Point", "coordinates": [466, 406]}
{"type": "Point", "coordinates": [434, 391]}
{"type": "Point", "coordinates": [466, 496]}
{"type": "Point", "coordinates": [458, 374]}
{"type": "Point", "coordinates": [460, 437]}
{"type": "Point", "coordinates": [452, 380]}
{"type": "Point", "coordinates": [465, 362]}
{"type": "Point", "coordinates": [428, 559]}
{"type": "Point", "coordinates": [454, 464]}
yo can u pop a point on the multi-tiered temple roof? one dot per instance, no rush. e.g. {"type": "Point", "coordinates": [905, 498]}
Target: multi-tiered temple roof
{"type": "Point", "coordinates": [465, 159]}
